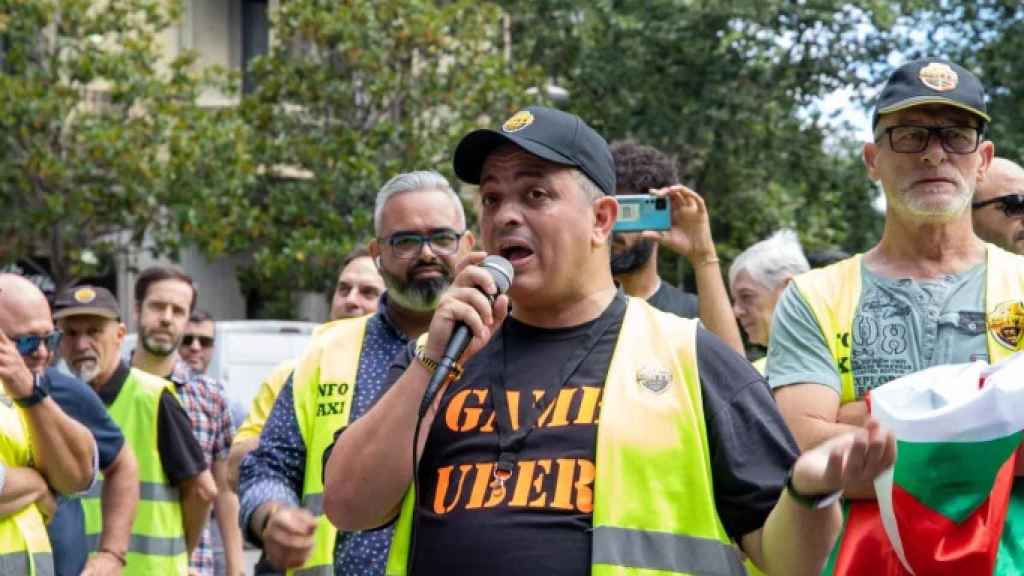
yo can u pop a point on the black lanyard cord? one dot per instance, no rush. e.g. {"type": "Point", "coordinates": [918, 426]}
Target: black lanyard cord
{"type": "Point", "coordinates": [512, 438]}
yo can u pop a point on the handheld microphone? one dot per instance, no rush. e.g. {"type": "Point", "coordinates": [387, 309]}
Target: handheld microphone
{"type": "Point", "coordinates": [501, 271]}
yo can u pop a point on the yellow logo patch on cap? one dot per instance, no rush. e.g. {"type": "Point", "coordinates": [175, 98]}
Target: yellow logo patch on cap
{"type": "Point", "coordinates": [84, 295]}
{"type": "Point", "coordinates": [939, 77]}
{"type": "Point", "coordinates": [518, 121]}
{"type": "Point", "coordinates": [1006, 323]}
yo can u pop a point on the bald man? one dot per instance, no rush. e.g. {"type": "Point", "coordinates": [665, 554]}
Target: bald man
{"type": "Point", "coordinates": [998, 213]}
{"type": "Point", "coordinates": [41, 447]}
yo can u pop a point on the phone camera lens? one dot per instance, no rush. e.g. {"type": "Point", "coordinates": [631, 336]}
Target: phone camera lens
{"type": "Point", "coordinates": [660, 204]}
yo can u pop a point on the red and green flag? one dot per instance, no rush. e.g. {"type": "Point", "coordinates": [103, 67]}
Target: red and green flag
{"type": "Point", "coordinates": [948, 506]}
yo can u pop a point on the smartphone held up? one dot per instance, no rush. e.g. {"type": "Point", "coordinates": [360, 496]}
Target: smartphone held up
{"type": "Point", "coordinates": [638, 212]}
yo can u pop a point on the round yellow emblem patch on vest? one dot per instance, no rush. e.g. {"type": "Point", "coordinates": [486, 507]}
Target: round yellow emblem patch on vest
{"type": "Point", "coordinates": [939, 77]}
{"type": "Point", "coordinates": [518, 121]}
{"type": "Point", "coordinates": [1006, 323]}
{"type": "Point", "coordinates": [85, 295]}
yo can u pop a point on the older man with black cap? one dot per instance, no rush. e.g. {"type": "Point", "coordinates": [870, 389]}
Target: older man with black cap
{"type": "Point", "coordinates": [515, 475]}
{"type": "Point", "coordinates": [930, 292]}
{"type": "Point", "coordinates": [172, 507]}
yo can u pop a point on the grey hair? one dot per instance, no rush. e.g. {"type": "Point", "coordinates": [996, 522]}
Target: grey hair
{"type": "Point", "coordinates": [418, 181]}
{"type": "Point", "coordinates": [771, 261]}
{"type": "Point", "coordinates": [590, 190]}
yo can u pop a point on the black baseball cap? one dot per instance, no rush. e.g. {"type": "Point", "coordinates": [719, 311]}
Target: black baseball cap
{"type": "Point", "coordinates": [547, 133]}
{"type": "Point", "coordinates": [931, 81]}
{"type": "Point", "coordinates": [86, 301]}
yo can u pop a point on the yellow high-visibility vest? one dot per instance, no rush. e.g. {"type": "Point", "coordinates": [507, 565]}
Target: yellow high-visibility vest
{"type": "Point", "coordinates": [157, 543]}
{"type": "Point", "coordinates": [24, 544]}
{"type": "Point", "coordinates": [323, 386]}
{"type": "Point", "coordinates": [832, 293]}
{"type": "Point", "coordinates": [653, 501]}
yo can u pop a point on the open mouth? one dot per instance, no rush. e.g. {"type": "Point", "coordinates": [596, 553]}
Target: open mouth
{"type": "Point", "coordinates": [515, 252]}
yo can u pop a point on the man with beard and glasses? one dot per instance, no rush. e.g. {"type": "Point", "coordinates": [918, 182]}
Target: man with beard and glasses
{"type": "Point", "coordinates": [174, 482]}
{"type": "Point", "coordinates": [165, 297]}
{"type": "Point", "coordinates": [998, 214]}
{"type": "Point", "coordinates": [421, 236]}
{"type": "Point", "coordinates": [642, 170]}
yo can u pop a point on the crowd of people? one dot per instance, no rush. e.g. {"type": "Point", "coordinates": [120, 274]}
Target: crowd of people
{"type": "Point", "coordinates": [600, 421]}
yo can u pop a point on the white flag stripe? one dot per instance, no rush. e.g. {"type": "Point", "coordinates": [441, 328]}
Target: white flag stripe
{"type": "Point", "coordinates": [945, 404]}
{"type": "Point", "coordinates": [883, 491]}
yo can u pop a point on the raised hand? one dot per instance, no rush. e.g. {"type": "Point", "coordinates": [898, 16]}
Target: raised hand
{"type": "Point", "coordinates": [14, 374]}
{"type": "Point", "coordinates": [690, 234]}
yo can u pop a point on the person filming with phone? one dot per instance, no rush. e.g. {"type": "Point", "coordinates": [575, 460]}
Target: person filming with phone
{"type": "Point", "coordinates": [582, 431]}
{"type": "Point", "coordinates": [677, 219]}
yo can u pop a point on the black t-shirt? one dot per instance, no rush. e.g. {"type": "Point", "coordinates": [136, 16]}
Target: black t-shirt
{"type": "Point", "coordinates": [668, 298]}
{"type": "Point", "coordinates": [180, 453]}
{"type": "Point", "coordinates": [541, 525]}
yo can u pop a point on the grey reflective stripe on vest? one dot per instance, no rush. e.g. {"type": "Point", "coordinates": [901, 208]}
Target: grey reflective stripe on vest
{"type": "Point", "coordinates": [16, 564]}
{"type": "Point", "coordinates": [152, 491]}
{"type": "Point", "coordinates": [665, 551]}
{"type": "Point", "coordinates": [148, 545]}
{"type": "Point", "coordinates": [314, 503]}
{"type": "Point", "coordinates": [322, 570]}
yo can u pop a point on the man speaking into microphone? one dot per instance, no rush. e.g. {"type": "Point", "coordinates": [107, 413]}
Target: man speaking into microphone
{"type": "Point", "coordinates": [584, 432]}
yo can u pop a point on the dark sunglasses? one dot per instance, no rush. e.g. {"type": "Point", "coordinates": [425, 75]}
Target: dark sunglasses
{"type": "Point", "coordinates": [1011, 204]}
{"type": "Point", "coordinates": [27, 345]}
{"type": "Point", "coordinates": [204, 341]}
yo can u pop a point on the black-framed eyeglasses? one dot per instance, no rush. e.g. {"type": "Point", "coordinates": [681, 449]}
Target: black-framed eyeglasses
{"type": "Point", "coordinates": [1011, 204]}
{"type": "Point", "coordinates": [442, 242]}
{"type": "Point", "coordinates": [910, 139]}
{"type": "Point", "coordinates": [27, 345]}
{"type": "Point", "coordinates": [204, 341]}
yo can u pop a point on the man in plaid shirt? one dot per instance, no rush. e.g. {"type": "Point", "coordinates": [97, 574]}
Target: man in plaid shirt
{"type": "Point", "coordinates": [164, 298]}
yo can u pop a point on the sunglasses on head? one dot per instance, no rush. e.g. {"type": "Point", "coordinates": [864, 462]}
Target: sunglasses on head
{"type": "Point", "coordinates": [1011, 204]}
{"type": "Point", "coordinates": [204, 341]}
{"type": "Point", "coordinates": [27, 345]}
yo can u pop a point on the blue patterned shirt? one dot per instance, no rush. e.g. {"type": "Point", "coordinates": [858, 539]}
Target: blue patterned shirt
{"type": "Point", "coordinates": [276, 469]}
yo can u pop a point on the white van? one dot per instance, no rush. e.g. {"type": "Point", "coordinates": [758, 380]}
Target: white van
{"type": "Point", "coordinates": [246, 351]}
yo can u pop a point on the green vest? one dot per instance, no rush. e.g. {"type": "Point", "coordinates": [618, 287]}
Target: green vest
{"type": "Point", "coordinates": [24, 544]}
{"type": "Point", "coordinates": [833, 293]}
{"type": "Point", "coordinates": [653, 501]}
{"type": "Point", "coordinates": [158, 536]}
{"type": "Point", "coordinates": [323, 386]}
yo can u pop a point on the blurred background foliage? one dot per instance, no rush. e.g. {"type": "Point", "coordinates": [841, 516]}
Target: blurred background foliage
{"type": "Point", "coordinates": [106, 142]}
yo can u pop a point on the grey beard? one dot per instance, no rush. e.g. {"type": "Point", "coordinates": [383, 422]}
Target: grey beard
{"type": "Point", "coordinates": [415, 295]}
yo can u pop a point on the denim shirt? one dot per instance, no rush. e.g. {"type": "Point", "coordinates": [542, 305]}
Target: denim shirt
{"type": "Point", "coordinates": [276, 469]}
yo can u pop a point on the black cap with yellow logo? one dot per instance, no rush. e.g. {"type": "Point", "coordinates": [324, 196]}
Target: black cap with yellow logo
{"type": "Point", "coordinates": [86, 301]}
{"type": "Point", "coordinates": [547, 133]}
{"type": "Point", "coordinates": [931, 81]}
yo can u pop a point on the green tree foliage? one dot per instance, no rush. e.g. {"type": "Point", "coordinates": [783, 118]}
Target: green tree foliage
{"type": "Point", "coordinates": [987, 37]}
{"type": "Point", "coordinates": [94, 118]}
{"type": "Point", "coordinates": [351, 94]}
{"type": "Point", "coordinates": [728, 88]}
